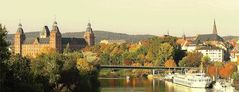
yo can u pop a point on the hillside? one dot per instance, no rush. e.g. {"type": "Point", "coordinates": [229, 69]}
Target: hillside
{"type": "Point", "coordinates": [100, 35]}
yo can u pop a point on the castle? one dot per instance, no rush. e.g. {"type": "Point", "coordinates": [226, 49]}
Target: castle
{"type": "Point", "coordinates": [26, 45]}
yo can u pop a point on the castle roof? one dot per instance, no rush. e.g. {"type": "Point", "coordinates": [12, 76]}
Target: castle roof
{"type": "Point", "coordinates": [73, 41]}
{"type": "Point", "coordinates": [65, 40]}
{"type": "Point", "coordinates": [209, 48]}
{"type": "Point", "coordinates": [30, 40]}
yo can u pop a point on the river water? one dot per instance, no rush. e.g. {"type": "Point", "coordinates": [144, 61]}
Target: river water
{"type": "Point", "coordinates": [144, 85]}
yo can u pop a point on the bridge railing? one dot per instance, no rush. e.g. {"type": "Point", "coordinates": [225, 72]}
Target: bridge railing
{"type": "Point", "coordinates": [143, 67]}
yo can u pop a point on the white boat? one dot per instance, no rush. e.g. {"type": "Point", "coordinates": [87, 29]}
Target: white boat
{"type": "Point", "coordinates": [193, 80]}
{"type": "Point", "coordinates": [169, 76]}
{"type": "Point", "coordinates": [223, 86]}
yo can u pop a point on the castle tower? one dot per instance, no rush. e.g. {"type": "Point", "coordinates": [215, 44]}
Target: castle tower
{"type": "Point", "coordinates": [45, 32]}
{"type": "Point", "coordinates": [18, 40]}
{"type": "Point", "coordinates": [55, 38]}
{"type": "Point", "coordinates": [214, 28]}
{"type": "Point", "coordinates": [89, 35]}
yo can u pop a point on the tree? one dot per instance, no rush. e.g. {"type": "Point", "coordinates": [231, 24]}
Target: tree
{"type": "Point", "coordinates": [227, 70]}
{"type": "Point", "coordinates": [105, 59]}
{"type": "Point", "coordinates": [212, 70]}
{"type": "Point", "coordinates": [84, 67]}
{"type": "Point", "coordinates": [235, 76]}
{"type": "Point", "coordinates": [170, 63]}
{"type": "Point", "coordinates": [205, 60]}
{"type": "Point", "coordinates": [193, 59]}
{"type": "Point", "coordinates": [150, 55]}
{"type": "Point", "coordinates": [4, 52]}
{"type": "Point", "coordinates": [67, 49]}
{"type": "Point", "coordinates": [20, 77]}
{"type": "Point", "coordinates": [165, 52]}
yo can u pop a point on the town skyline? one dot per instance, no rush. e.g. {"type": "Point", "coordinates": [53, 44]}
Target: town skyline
{"type": "Point", "coordinates": [155, 18]}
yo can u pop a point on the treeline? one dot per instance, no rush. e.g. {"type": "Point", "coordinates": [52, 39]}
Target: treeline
{"type": "Point", "coordinates": [52, 72]}
{"type": "Point", "coordinates": [158, 51]}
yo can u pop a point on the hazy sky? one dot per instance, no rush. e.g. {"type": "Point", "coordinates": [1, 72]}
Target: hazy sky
{"type": "Point", "coordinates": [124, 16]}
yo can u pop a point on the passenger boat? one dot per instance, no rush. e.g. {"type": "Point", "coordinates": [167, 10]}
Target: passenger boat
{"type": "Point", "coordinates": [193, 80]}
{"type": "Point", "coordinates": [223, 86]}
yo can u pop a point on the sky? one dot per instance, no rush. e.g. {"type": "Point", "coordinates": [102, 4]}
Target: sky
{"type": "Point", "coordinates": [155, 17]}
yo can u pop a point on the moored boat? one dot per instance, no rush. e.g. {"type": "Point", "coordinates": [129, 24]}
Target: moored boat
{"type": "Point", "coordinates": [223, 86]}
{"type": "Point", "coordinates": [194, 80]}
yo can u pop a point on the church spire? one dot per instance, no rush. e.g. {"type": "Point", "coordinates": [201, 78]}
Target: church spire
{"type": "Point", "coordinates": [184, 36]}
{"type": "Point", "coordinates": [214, 28]}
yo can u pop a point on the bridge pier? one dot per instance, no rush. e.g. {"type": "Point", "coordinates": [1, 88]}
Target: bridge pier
{"type": "Point", "coordinates": [153, 71]}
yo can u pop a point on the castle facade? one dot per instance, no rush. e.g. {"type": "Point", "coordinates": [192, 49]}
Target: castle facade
{"type": "Point", "coordinates": [28, 45]}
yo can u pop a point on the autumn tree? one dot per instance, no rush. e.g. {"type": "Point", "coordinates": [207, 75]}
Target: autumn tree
{"type": "Point", "coordinates": [193, 59]}
{"type": "Point", "coordinates": [170, 63]}
{"type": "Point", "coordinates": [165, 52]}
{"type": "Point", "coordinates": [105, 59]}
{"type": "Point", "coordinates": [227, 70]}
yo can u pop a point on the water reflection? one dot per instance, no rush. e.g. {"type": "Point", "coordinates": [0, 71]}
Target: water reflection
{"type": "Point", "coordinates": [144, 85]}
{"type": "Point", "coordinates": [171, 87]}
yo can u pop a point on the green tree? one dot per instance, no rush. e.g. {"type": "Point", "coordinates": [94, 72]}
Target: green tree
{"type": "Point", "coordinates": [20, 77]}
{"type": "Point", "coordinates": [150, 55]}
{"type": "Point", "coordinates": [105, 59]}
{"type": "Point", "coordinates": [205, 60]}
{"type": "Point", "coordinates": [165, 52]}
{"type": "Point", "coordinates": [235, 76]}
{"type": "Point", "coordinates": [4, 52]}
{"type": "Point", "coordinates": [67, 49]}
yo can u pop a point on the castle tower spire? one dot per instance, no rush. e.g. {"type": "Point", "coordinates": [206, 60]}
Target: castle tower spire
{"type": "Point", "coordinates": [214, 28]}
{"type": "Point", "coordinates": [89, 35]}
{"type": "Point", "coordinates": [55, 38]}
{"type": "Point", "coordinates": [18, 40]}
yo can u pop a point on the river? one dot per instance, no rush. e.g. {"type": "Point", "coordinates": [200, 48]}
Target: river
{"type": "Point", "coordinates": [144, 85]}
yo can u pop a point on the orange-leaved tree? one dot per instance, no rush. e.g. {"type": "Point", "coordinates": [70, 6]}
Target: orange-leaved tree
{"type": "Point", "coordinates": [212, 70]}
{"type": "Point", "coordinates": [227, 70]}
{"type": "Point", "coordinates": [170, 63]}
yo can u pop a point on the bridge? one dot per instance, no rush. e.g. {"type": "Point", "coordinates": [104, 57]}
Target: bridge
{"type": "Point", "coordinates": [153, 68]}
{"type": "Point", "coordinates": [144, 67]}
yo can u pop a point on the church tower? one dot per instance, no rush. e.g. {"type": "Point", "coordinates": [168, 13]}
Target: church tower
{"type": "Point", "coordinates": [55, 38]}
{"type": "Point", "coordinates": [89, 35]}
{"type": "Point", "coordinates": [214, 28]}
{"type": "Point", "coordinates": [18, 40]}
{"type": "Point", "coordinates": [184, 36]}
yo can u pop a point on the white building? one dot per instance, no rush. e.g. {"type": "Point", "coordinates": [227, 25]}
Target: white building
{"type": "Point", "coordinates": [215, 53]}
{"type": "Point", "coordinates": [190, 47]}
{"type": "Point", "coordinates": [234, 54]}
{"type": "Point", "coordinates": [113, 42]}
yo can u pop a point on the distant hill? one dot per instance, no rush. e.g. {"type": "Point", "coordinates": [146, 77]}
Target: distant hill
{"type": "Point", "coordinates": [100, 35]}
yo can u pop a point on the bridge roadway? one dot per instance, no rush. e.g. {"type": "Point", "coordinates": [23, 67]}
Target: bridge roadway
{"type": "Point", "coordinates": [144, 67]}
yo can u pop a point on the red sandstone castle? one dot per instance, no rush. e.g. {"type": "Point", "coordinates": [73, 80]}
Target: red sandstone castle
{"type": "Point", "coordinates": [26, 45]}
